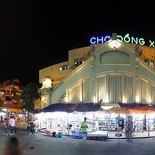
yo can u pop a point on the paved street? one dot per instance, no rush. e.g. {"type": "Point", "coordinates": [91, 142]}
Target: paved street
{"type": "Point", "coordinates": [44, 145]}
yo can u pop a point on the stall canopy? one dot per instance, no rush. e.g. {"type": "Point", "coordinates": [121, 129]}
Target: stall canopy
{"type": "Point", "coordinates": [141, 108]}
{"type": "Point", "coordinates": [54, 107]}
{"type": "Point", "coordinates": [118, 110]}
{"type": "Point", "coordinates": [88, 107]}
{"type": "Point", "coordinates": [35, 111]}
{"type": "Point", "coordinates": [80, 107]}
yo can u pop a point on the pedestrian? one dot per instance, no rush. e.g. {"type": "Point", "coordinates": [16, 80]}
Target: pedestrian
{"type": "Point", "coordinates": [129, 128]}
{"type": "Point", "coordinates": [12, 125]}
{"type": "Point", "coordinates": [12, 147]}
{"type": "Point", "coordinates": [28, 128]}
{"type": "Point", "coordinates": [6, 127]}
{"type": "Point", "coordinates": [84, 128]}
{"type": "Point", "coordinates": [59, 128]}
{"type": "Point", "coordinates": [32, 127]}
{"type": "Point", "coordinates": [1, 119]}
{"type": "Point", "coordinates": [37, 126]}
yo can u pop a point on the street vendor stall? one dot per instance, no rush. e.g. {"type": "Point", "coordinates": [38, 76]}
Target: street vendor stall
{"type": "Point", "coordinates": [70, 116]}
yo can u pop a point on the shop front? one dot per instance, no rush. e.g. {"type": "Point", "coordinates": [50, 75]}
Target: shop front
{"type": "Point", "coordinates": [112, 121]}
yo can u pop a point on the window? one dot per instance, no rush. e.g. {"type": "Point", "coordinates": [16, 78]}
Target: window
{"type": "Point", "coordinates": [146, 61]}
{"type": "Point", "coordinates": [152, 63]}
{"type": "Point", "coordinates": [81, 61]}
{"type": "Point", "coordinates": [78, 62]}
{"type": "Point", "coordinates": [64, 67]}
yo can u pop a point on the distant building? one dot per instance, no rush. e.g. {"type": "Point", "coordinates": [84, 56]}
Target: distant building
{"type": "Point", "coordinates": [9, 94]}
{"type": "Point", "coordinates": [102, 73]}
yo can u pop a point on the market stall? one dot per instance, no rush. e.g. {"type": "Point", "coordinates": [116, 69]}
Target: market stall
{"type": "Point", "coordinates": [70, 116]}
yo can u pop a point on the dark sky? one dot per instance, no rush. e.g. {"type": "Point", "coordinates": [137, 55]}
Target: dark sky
{"type": "Point", "coordinates": [37, 34]}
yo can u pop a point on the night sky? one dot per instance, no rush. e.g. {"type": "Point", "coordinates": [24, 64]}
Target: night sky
{"type": "Point", "coordinates": [37, 34]}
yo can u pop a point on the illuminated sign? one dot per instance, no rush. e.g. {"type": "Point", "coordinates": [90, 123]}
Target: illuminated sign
{"type": "Point", "coordinates": [127, 39]}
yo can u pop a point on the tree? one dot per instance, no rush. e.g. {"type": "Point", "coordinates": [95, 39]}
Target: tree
{"type": "Point", "coordinates": [28, 95]}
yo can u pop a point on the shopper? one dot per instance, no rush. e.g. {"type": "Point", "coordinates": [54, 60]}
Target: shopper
{"type": "Point", "coordinates": [12, 147]}
{"type": "Point", "coordinates": [28, 128]}
{"type": "Point", "coordinates": [59, 128]}
{"type": "Point", "coordinates": [129, 128]}
{"type": "Point", "coordinates": [6, 127]}
{"type": "Point", "coordinates": [1, 119]}
{"type": "Point", "coordinates": [12, 125]}
{"type": "Point", "coordinates": [84, 128]}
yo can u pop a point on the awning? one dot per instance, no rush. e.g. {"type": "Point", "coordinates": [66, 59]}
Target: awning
{"type": "Point", "coordinates": [71, 107]}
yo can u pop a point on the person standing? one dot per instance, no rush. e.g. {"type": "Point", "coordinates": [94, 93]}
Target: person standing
{"type": "Point", "coordinates": [1, 119]}
{"type": "Point", "coordinates": [32, 127]}
{"type": "Point", "coordinates": [129, 128]}
{"type": "Point", "coordinates": [84, 128]}
{"type": "Point", "coordinates": [12, 125]}
{"type": "Point", "coordinates": [28, 128]}
{"type": "Point", "coordinates": [6, 126]}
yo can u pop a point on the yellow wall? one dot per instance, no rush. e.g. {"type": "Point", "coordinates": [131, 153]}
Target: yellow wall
{"type": "Point", "coordinates": [54, 70]}
{"type": "Point", "coordinates": [77, 54]}
{"type": "Point", "coordinates": [147, 53]}
{"type": "Point", "coordinates": [57, 75]}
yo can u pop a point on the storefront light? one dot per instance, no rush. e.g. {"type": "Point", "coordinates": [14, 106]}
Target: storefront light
{"type": "Point", "coordinates": [2, 113]}
{"type": "Point", "coordinates": [4, 109]}
{"type": "Point", "coordinates": [107, 107]}
{"type": "Point", "coordinates": [20, 115]}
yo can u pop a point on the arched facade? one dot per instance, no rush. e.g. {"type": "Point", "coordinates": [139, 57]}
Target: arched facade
{"type": "Point", "coordinates": [110, 75]}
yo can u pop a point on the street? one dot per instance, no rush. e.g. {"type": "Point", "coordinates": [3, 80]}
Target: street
{"type": "Point", "coordinates": [40, 144]}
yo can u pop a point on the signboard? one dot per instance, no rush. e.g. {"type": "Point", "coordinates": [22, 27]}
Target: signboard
{"type": "Point", "coordinates": [127, 39]}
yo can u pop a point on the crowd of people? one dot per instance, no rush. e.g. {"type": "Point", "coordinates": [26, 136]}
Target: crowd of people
{"type": "Point", "coordinates": [31, 127]}
{"type": "Point", "coordinates": [9, 126]}
{"type": "Point", "coordinates": [12, 146]}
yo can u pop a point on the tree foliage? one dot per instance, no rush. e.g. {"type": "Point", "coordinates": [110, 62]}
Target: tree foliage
{"type": "Point", "coordinates": [28, 96]}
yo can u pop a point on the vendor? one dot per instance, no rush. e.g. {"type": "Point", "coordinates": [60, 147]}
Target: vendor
{"type": "Point", "coordinates": [96, 125]}
{"type": "Point", "coordinates": [84, 128]}
{"type": "Point", "coordinates": [59, 128]}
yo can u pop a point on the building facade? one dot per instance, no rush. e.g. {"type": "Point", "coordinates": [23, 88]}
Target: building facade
{"type": "Point", "coordinates": [109, 73]}
{"type": "Point", "coordinates": [9, 95]}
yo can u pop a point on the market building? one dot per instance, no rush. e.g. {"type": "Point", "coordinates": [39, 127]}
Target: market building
{"type": "Point", "coordinates": [112, 73]}
{"type": "Point", "coordinates": [103, 72]}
